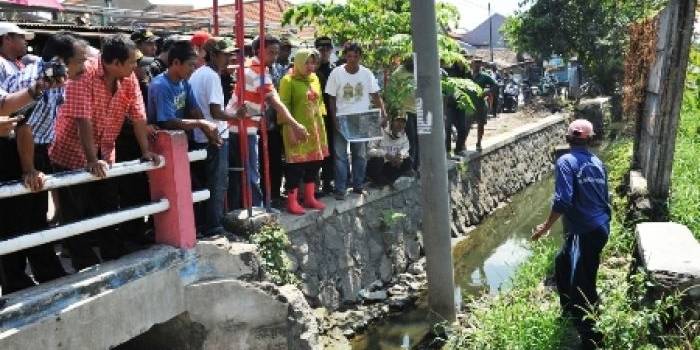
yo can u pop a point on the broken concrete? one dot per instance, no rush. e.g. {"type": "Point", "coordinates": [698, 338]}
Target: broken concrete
{"type": "Point", "coordinates": [162, 298]}
{"type": "Point", "coordinates": [671, 256]}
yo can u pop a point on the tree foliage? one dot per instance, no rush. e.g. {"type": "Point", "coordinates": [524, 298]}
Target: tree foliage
{"type": "Point", "coordinates": [595, 31]}
{"type": "Point", "coordinates": [382, 27]}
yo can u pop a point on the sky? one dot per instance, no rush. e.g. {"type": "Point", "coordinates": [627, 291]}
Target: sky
{"type": "Point", "coordinates": [472, 12]}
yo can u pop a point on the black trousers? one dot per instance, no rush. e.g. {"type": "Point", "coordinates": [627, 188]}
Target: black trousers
{"type": "Point", "coordinates": [328, 165]}
{"type": "Point", "coordinates": [88, 200]}
{"type": "Point", "coordinates": [24, 214]}
{"type": "Point", "coordinates": [381, 172]}
{"type": "Point", "coordinates": [576, 284]}
{"type": "Point", "coordinates": [133, 189]}
{"type": "Point", "coordinates": [412, 135]}
{"type": "Point", "coordinates": [458, 119]}
{"type": "Point", "coordinates": [301, 172]}
{"type": "Point", "coordinates": [275, 148]}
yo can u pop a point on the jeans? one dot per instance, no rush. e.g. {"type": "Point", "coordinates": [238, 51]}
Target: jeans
{"type": "Point", "coordinates": [235, 194]}
{"type": "Point", "coordinates": [359, 163]}
{"type": "Point", "coordinates": [216, 166]}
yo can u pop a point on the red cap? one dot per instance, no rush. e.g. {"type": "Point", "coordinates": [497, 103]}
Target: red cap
{"type": "Point", "coordinates": [199, 38]}
{"type": "Point", "coordinates": [581, 129]}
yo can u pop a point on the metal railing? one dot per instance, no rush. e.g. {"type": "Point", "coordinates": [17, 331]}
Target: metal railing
{"type": "Point", "coordinates": [70, 178]}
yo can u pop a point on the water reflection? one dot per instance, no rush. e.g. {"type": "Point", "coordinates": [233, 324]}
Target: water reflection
{"type": "Point", "coordinates": [484, 263]}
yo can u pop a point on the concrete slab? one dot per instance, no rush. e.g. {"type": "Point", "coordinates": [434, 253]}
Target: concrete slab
{"type": "Point", "coordinates": [670, 254]}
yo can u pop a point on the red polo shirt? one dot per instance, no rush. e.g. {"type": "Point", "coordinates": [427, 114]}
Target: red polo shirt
{"type": "Point", "coordinates": [88, 97]}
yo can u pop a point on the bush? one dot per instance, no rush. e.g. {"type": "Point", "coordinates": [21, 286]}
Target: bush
{"type": "Point", "coordinates": [272, 243]}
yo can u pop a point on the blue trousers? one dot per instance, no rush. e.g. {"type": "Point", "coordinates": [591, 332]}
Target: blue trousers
{"type": "Point", "coordinates": [234, 193]}
{"type": "Point", "coordinates": [216, 166]}
{"type": "Point", "coordinates": [358, 151]}
{"type": "Point", "coordinates": [575, 270]}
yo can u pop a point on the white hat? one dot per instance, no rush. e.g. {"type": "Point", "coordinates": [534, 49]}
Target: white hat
{"type": "Point", "coordinates": [6, 27]}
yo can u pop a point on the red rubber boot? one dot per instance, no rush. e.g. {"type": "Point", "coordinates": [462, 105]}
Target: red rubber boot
{"type": "Point", "coordinates": [310, 200]}
{"type": "Point", "coordinates": [293, 206]}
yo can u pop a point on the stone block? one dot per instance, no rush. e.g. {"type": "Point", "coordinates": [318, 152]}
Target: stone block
{"type": "Point", "coordinates": [670, 254]}
{"type": "Point", "coordinates": [221, 258]}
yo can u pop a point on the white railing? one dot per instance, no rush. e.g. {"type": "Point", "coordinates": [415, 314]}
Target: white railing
{"type": "Point", "coordinates": [29, 240]}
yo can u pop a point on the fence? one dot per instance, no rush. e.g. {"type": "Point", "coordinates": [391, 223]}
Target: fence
{"type": "Point", "coordinates": [171, 193]}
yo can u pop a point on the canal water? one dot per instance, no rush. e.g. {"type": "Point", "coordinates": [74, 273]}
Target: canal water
{"type": "Point", "coordinates": [484, 263]}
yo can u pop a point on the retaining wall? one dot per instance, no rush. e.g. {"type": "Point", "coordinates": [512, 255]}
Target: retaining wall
{"type": "Point", "coordinates": [361, 240]}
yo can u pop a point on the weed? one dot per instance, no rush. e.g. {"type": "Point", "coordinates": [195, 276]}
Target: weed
{"type": "Point", "coordinates": [272, 242]}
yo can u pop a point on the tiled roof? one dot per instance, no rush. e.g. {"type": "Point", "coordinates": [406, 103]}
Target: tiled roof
{"type": "Point", "coordinates": [274, 10]}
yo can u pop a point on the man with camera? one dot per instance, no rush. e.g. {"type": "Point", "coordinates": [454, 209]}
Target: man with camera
{"type": "Point", "coordinates": [27, 156]}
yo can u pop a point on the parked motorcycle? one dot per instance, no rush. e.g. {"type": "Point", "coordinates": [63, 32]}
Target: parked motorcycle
{"type": "Point", "coordinates": [511, 92]}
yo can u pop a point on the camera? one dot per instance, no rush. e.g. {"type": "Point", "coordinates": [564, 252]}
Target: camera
{"type": "Point", "coordinates": [53, 71]}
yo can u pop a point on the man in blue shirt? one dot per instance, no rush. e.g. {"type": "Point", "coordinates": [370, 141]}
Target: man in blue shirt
{"type": "Point", "coordinates": [581, 196]}
{"type": "Point", "coordinates": [172, 105]}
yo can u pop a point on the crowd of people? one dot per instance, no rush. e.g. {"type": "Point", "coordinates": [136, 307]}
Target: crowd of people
{"type": "Point", "coordinates": [77, 107]}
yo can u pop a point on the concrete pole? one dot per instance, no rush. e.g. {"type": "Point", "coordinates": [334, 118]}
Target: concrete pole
{"type": "Point", "coordinates": [433, 163]}
{"type": "Point", "coordinates": [490, 33]}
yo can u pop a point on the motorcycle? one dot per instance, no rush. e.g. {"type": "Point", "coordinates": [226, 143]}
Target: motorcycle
{"type": "Point", "coordinates": [511, 92]}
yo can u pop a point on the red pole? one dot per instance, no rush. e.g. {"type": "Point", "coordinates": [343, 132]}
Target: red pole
{"type": "Point", "coordinates": [240, 85]}
{"type": "Point", "coordinates": [215, 11]}
{"type": "Point", "coordinates": [263, 120]}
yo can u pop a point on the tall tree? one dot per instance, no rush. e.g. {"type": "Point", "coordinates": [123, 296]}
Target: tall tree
{"type": "Point", "coordinates": [595, 31]}
{"type": "Point", "coordinates": [381, 26]}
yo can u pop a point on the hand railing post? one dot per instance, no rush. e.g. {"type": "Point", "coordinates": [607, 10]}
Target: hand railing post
{"type": "Point", "coordinates": [175, 226]}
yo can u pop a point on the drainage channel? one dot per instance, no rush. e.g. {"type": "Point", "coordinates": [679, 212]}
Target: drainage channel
{"type": "Point", "coordinates": [484, 263]}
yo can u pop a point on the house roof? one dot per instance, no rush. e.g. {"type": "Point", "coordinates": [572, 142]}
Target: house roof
{"type": "Point", "coordinates": [274, 11]}
{"type": "Point", "coordinates": [479, 36]}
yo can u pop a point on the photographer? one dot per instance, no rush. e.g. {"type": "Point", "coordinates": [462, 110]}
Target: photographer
{"type": "Point", "coordinates": [581, 197]}
{"type": "Point", "coordinates": [27, 157]}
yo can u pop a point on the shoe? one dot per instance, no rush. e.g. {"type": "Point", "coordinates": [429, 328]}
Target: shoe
{"type": "Point", "coordinates": [293, 206]}
{"type": "Point", "coordinates": [310, 200]}
{"type": "Point", "coordinates": [359, 191]}
{"type": "Point", "coordinates": [339, 196]}
{"type": "Point", "coordinates": [327, 188]}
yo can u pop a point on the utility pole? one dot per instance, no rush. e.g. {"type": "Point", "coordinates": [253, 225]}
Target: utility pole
{"type": "Point", "coordinates": [433, 162]}
{"type": "Point", "coordinates": [490, 32]}
{"type": "Point", "coordinates": [215, 15]}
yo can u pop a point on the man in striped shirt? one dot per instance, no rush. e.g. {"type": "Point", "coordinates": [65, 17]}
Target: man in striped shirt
{"type": "Point", "coordinates": [256, 90]}
{"type": "Point", "coordinates": [34, 135]}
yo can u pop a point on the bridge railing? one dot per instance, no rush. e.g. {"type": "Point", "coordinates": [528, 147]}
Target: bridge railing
{"type": "Point", "coordinates": [171, 196]}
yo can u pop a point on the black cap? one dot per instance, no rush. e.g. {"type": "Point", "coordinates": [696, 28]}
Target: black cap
{"type": "Point", "coordinates": [323, 41]}
{"type": "Point", "coordinates": [143, 35]}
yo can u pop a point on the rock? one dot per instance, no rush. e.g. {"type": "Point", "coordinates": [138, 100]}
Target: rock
{"type": "Point", "coordinates": [374, 296]}
{"type": "Point", "coordinates": [376, 285]}
{"type": "Point", "coordinates": [416, 268]}
{"type": "Point", "coordinates": [238, 222]}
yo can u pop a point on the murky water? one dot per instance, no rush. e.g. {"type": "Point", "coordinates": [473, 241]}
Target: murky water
{"type": "Point", "coordinates": [484, 263]}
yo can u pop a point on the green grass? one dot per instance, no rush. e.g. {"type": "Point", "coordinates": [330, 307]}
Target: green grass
{"type": "Point", "coordinates": [685, 182]}
{"type": "Point", "coordinates": [526, 317]}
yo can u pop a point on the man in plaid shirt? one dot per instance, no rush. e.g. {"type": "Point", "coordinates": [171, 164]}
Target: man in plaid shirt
{"type": "Point", "coordinates": [96, 106]}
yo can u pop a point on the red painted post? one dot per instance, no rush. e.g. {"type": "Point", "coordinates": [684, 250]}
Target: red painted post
{"type": "Point", "coordinates": [175, 226]}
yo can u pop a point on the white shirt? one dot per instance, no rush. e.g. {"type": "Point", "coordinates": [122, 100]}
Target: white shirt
{"type": "Point", "coordinates": [351, 91]}
{"type": "Point", "coordinates": [206, 87]}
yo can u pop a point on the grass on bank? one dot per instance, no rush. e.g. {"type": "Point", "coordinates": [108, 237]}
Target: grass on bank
{"type": "Point", "coordinates": [527, 316]}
